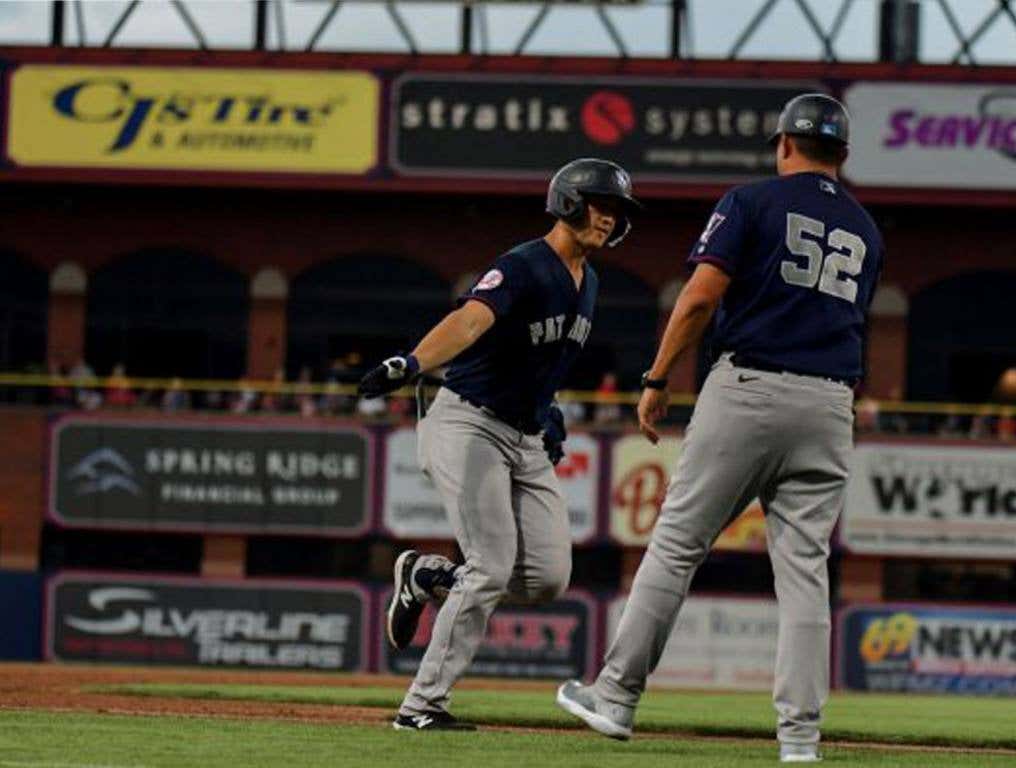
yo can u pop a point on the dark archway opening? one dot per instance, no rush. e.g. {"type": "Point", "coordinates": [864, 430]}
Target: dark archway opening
{"type": "Point", "coordinates": [366, 306]}
{"type": "Point", "coordinates": [962, 336]}
{"type": "Point", "coordinates": [168, 313]}
{"type": "Point", "coordinates": [24, 297]}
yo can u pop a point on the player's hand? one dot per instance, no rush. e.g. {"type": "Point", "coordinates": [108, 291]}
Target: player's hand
{"type": "Point", "coordinates": [392, 374]}
{"type": "Point", "coordinates": [652, 408]}
{"type": "Point", "coordinates": [554, 434]}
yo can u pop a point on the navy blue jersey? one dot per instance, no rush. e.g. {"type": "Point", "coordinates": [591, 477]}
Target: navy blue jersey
{"type": "Point", "coordinates": [803, 257]}
{"type": "Point", "coordinates": [541, 323]}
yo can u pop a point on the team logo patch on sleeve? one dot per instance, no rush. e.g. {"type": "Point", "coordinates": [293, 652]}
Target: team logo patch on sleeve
{"type": "Point", "coordinates": [714, 224]}
{"type": "Point", "coordinates": [491, 280]}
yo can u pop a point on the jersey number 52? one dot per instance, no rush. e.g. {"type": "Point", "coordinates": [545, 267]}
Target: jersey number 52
{"type": "Point", "coordinates": [831, 271]}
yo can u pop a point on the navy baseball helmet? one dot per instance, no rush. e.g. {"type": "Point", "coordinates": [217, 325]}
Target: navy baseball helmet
{"type": "Point", "coordinates": [591, 176]}
{"type": "Point", "coordinates": [814, 114]}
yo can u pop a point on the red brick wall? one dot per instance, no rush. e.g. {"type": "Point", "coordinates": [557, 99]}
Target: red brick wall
{"type": "Point", "coordinates": [22, 477]}
{"type": "Point", "coordinates": [266, 341]}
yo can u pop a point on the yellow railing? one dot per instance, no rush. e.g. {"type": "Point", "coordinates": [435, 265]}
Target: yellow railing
{"type": "Point", "coordinates": [11, 380]}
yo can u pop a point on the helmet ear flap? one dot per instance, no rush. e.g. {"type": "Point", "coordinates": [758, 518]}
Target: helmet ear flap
{"type": "Point", "coordinates": [620, 231]}
{"type": "Point", "coordinates": [566, 204]}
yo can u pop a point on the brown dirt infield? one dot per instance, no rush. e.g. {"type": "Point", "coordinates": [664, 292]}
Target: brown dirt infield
{"type": "Point", "coordinates": [61, 688]}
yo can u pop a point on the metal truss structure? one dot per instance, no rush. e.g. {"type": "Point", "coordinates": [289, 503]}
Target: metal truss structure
{"type": "Point", "coordinates": [898, 26]}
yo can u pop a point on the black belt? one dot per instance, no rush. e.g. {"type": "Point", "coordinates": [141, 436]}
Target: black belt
{"type": "Point", "coordinates": [522, 424]}
{"type": "Point", "coordinates": [747, 361]}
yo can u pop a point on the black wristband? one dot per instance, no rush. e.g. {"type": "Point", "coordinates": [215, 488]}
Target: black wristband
{"type": "Point", "coordinates": [648, 383]}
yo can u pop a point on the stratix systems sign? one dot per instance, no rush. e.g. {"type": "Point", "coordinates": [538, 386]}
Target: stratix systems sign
{"type": "Point", "coordinates": [209, 476]}
{"type": "Point", "coordinates": [513, 126]}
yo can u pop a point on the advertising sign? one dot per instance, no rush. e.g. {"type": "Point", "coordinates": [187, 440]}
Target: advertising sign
{"type": "Point", "coordinates": [947, 136]}
{"type": "Point", "coordinates": [413, 509]}
{"type": "Point", "coordinates": [209, 476]}
{"type": "Point", "coordinates": [544, 641]}
{"type": "Point", "coordinates": [717, 642]}
{"type": "Point", "coordinates": [927, 649]}
{"type": "Point", "coordinates": [528, 126]}
{"type": "Point", "coordinates": [199, 622]}
{"type": "Point", "coordinates": [640, 475]}
{"type": "Point", "coordinates": [949, 501]}
{"type": "Point", "coordinates": [193, 118]}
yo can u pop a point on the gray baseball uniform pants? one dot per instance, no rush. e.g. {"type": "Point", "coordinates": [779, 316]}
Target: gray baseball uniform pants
{"type": "Point", "coordinates": [785, 439]}
{"type": "Point", "coordinates": [511, 522]}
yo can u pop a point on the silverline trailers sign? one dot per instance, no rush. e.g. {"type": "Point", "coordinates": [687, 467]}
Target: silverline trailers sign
{"type": "Point", "coordinates": [183, 621]}
{"type": "Point", "coordinates": [527, 126]}
{"type": "Point", "coordinates": [196, 475]}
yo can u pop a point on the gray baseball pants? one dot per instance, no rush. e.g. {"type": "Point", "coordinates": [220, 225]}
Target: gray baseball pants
{"type": "Point", "coordinates": [509, 517]}
{"type": "Point", "coordinates": [785, 439]}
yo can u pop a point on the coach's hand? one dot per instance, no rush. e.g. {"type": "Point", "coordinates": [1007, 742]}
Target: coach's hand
{"type": "Point", "coordinates": [554, 434]}
{"type": "Point", "coordinates": [652, 408]}
{"type": "Point", "coordinates": [392, 374]}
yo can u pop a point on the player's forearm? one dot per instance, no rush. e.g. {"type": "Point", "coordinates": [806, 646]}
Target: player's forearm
{"type": "Point", "coordinates": [456, 333]}
{"type": "Point", "coordinates": [685, 327]}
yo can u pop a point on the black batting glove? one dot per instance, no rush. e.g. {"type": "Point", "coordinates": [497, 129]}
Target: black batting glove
{"type": "Point", "coordinates": [554, 434]}
{"type": "Point", "coordinates": [392, 374]}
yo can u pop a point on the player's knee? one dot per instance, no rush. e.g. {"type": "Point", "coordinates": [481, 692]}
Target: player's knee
{"type": "Point", "coordinates": [553, 581]}
{"type": "Point", "coordinates": [492, 579]}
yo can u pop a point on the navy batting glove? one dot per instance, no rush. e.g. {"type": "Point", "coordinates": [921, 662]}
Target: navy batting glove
{"type": "Point", "coordinates": [554, 434]}
{"type": "Point", "coordinates": [392, 374]}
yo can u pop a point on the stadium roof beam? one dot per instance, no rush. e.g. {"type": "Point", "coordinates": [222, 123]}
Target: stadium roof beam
{"type": "Point", "coordinates": [601, 14]}
{"type": "Point", "coordinates": [827, 39]}
{"type": "Point", "coordinates": [1003, 9]}
{"type": "Point", "coordinates": [898, 40]}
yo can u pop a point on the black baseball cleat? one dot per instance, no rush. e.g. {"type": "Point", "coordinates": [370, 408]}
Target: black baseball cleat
{"type": "Point", "coordinates": [430, 721]}
{"type": "Point", "coordinates": [404, 610]}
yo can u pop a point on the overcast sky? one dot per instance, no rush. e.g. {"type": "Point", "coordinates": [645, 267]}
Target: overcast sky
{"type": "Point", "coordinates": [645, 29]}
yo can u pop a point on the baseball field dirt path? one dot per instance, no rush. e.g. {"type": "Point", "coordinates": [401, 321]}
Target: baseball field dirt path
{"type": "Point", "coordinates": [67, 688]}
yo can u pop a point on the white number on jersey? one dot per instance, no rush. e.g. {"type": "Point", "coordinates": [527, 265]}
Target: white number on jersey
{"type": "Point", "coordinates": [833, 271]}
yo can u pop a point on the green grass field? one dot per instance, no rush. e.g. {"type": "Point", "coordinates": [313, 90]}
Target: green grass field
{"type": "Point", "coordinates": [675, 727]}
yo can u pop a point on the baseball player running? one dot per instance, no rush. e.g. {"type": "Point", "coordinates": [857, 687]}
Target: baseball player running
{"type": "Point", "coordinates": [788, 266]}
{"type": "Point", "coordinates": [491, 435]}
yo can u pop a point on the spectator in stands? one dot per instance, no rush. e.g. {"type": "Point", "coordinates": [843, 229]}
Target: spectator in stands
{"type": "Point", "coordinates": [344, 370]}
{"type": "Point", "coordinates": [214, 401]}
{"type": "Point", "coordinates": [245, 399]}
{"type": "Point", "coordinates": [274, 399]}
{"type": "Point", "coordinates": [573, 411]}
{"type": "Point", "coordinates": [1007, 427]}
{"type": "Point", "coordinates": [118, 388]}
{"type": "Point", "coordinates": [86, 397]}
{"type": "Point", "coordinates": [982, 427]}
{"type": "Point", "coordinates": [605, 411]}
{"type": "Point", "coordinates": [305, 402]}
{"type": "Point", "coordinates": [866, 415]}
{"type": "Point", "coordinates": [60, 394]}
{"type": "Point", "coordinates": [176, 398]}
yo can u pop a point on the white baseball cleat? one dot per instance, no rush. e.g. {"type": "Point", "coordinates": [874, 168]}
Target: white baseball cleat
{"type": "Point", "coordinates": [799, 753]}
{"type": "Point", "coordinates": [611, 720]}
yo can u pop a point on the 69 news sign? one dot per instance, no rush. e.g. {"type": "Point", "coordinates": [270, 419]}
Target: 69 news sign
{"type": "Point", "coordinates": [927, 648]}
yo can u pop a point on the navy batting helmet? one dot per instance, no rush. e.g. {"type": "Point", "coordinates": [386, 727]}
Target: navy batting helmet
{"type": "Point", "coordinates": [591, 176]}
{"type": "Point", "coordinates": [814, 114]}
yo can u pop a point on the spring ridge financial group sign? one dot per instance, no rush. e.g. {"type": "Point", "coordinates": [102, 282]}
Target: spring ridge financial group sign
{"type": "Point", "coordinates": [210, 476]}
{"type": "Point", "coordinates": [193, 119]}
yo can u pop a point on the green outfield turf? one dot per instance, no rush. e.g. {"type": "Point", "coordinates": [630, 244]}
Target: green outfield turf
{"type": "Point", "coordinates": [66, 740]}
{"type": "Point", "coordinates": [938, 720]}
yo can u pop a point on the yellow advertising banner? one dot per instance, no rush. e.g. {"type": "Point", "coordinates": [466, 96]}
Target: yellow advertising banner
{"type": "Point", "coordinates": [194, 119]}
{"type": "Point", "coordinates": [638, 485]}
